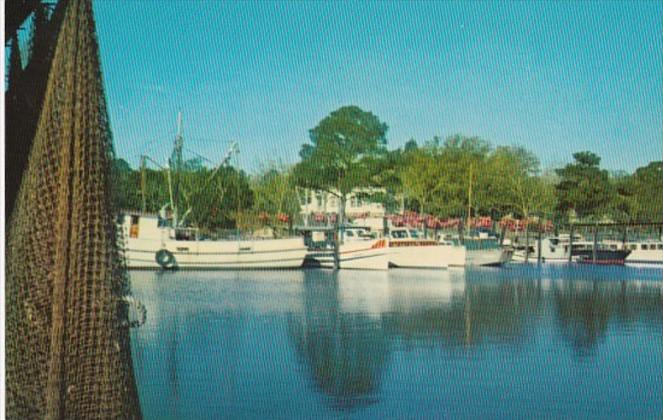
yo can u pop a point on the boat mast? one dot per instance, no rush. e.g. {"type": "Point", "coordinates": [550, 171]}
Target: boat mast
{"type": "Point", "coordinates": [469, 199]}
{"type": "Point", "coordinates": [143, 182]}
{"type": "Point", "coordinates": [233, 150]}
{"type": "Point", "coordinates": [175, 166]}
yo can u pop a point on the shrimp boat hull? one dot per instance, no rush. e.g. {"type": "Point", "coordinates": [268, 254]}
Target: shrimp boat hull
{"type": "Point", "coordinates": [147, 246]}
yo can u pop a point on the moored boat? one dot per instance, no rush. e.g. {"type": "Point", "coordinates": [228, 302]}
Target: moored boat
{"type": "Point", "coordinates": [486, 252]}
{"type": "Point", "coordinates": [560, 249]}
{"type": "Point", "coordinates": [647, 253]}
{"type": "Point", "coordinates": [601, 256]}
{"type": "Point", "coordinates": [554, 249]}
{"type": "Point", "coordinates": [359, 250]}
{"type": "Point", "coordinates": [409, 249]}
{"type": "Point", "coordinates": [151, 244]}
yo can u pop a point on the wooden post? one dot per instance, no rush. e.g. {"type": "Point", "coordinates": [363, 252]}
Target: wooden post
{"type": "Point", "coordinates": [538, 245]}
{"type": "Point", "coordinates": [595, 245]}
{"type": "Point", "coordinates": [337, 257]}
{"type": "Point", "coordinates": [571, 243]}
{"type": "Point", "coordinates": [337, 250]}
{"type": "Point", "coordinates": [503, 234]}
{"type": "Point", "coordinates": [526, 241]}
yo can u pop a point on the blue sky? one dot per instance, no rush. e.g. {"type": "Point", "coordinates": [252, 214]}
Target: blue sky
{"type": "Point", "coordinates": [554, 77]}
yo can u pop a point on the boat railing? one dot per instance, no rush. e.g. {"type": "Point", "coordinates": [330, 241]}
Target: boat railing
{"type": "Point", "coordinates": [235, 235]}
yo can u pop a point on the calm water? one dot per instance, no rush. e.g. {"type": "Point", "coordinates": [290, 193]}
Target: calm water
{"type": "Point", "coordinates": [516, 342]}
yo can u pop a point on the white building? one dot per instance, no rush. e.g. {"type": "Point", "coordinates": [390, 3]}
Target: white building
{"type": "Point", "coordinates": [324, 203]}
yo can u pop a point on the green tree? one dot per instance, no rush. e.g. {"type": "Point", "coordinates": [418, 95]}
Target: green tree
{"type": "Point", "coordinates": [125, 190]}
{"type": "Point", "coordinates": [211, 199]}
{"type": "Point", "coordinates": [342, 154]}
{"type": "Point", "coordinates": [584, 187]}
{"type": "Point", "coordinates": [643, 192]}
{"type": "Point", "coordinates": [463, 160]}
{"type": "Point", "coordinates": [215, 198]}
{"type": "Point", "coordinates": [421, 177]}
{"type": "Point", "coordinates": [512, 179]}
{"type": "Point", "coordinates": [275, 194]}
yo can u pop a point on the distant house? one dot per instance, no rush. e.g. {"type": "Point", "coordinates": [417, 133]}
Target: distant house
{"type": "Point", "coordinates": [320, 204]}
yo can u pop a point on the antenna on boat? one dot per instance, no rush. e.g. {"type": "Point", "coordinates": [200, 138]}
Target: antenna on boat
{"type": "Point", "coordinates": [179, 124]}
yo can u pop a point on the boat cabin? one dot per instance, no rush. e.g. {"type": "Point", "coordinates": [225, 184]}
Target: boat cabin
{"type": "Point", "coordinates": [402, 233]}
{"type": "Point", "coordinates": [152, 226]}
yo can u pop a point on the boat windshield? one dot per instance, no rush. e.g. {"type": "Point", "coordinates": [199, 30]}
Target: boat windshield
{"type": "Point", "coordinates": [414, 234]}
{"type": "Point", "coordinates": [185, 234]}
{"type": "Point", "coordinates": [399, 234]}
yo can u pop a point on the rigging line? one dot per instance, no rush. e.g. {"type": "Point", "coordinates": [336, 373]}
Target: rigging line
{"type": "Point", "coordinates": [199, 155]}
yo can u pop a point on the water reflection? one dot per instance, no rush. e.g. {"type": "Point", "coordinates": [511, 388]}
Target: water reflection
{"type": "Point", "coordinates": [476, 312]}
{"type": "Point", "coordinates": [338, 338]}
{"type": "Point", "coordinates": [351, 322]}
{"type": "Point", "coordinates": [238, 343]}
{"type": "Point", "coordinates": [585, 308]}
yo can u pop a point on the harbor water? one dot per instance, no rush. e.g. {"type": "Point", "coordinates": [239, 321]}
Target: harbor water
{"type": "Point", "coordinates": [553, 342]}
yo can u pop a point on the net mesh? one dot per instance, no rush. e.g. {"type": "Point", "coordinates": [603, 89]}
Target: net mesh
{"type": "Point", "coordinates": [67, 346]}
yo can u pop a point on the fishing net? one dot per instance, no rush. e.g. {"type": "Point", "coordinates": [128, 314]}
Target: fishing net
{"type": "Point", "coordinates": [67, 344]}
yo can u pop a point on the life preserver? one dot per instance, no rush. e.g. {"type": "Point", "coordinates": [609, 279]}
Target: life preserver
{"type": "Point", "coordinates": [165, 258]}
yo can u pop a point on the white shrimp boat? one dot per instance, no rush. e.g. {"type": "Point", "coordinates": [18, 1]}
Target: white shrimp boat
{"type": "Point", "coordinates": [166, 242]}
{"type": "Point", "coordinates": [148, 244]}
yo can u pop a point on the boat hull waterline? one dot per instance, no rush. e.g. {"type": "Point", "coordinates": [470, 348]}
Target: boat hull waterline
{"type": "Point", "coordinates": [215, 255]}
{"type": "Point", "coordinates": [147, 245]}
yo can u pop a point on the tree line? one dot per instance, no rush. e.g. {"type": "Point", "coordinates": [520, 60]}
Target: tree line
{"type": "Point", "coordinates": [463, 176]}
{"type": "Point", "coordinates": [457, 177]}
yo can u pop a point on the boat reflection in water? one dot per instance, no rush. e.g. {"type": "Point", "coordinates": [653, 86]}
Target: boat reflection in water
{"type": "Point", "coordinates": [497, 342]}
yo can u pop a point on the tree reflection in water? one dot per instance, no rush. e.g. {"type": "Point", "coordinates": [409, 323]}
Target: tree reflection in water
{"type": "Point", "coordinates": [231, 342]}
{"type": "Point", "coordinates": [352, 321]}
{"type": "Point", "coordinates": [345, 352]}
{"type": "Point", "coordinates": [586, 307]}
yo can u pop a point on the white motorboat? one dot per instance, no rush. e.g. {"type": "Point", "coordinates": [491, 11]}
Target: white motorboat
{"type": "Point", "coordinates": [554, 249]}
{"type": "Point", "coordinates": [150, 244]}
{"type": "Point", "coordinates": [408, 248]}
{"type": "Point", "coordinates": [359, 250]}
{"type": "Point", "coordinates": [365, 254]}
{"type": "Point", "coordinates": [481, 251]}
{"type": "Point", "coordinates": [648, 253]}
{"type": "Point", "coordinates": [558, 249]}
